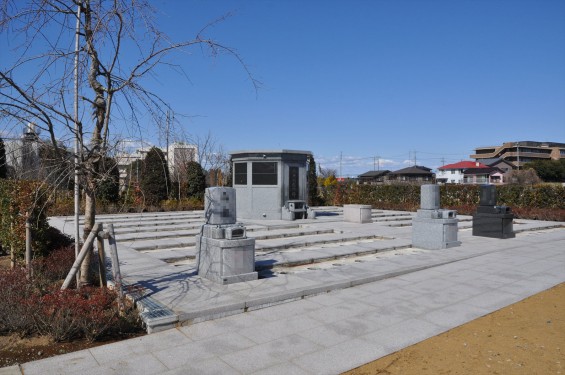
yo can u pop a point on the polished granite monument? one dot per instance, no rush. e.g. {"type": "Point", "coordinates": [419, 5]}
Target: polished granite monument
{"type": "Point", "coordinates": [491, 220]}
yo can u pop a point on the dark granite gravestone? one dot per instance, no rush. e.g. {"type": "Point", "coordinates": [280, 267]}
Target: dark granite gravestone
{"type": "Point", "coordinates": [491, 220]}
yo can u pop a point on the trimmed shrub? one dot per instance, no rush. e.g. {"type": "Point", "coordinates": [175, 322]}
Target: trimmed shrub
{"type": "Point", "coordinates": [155, 182]}
{"type": "Point", "coordinates": [542, 201]}
{"type": "Point", "coordinates": [108, 189]}
{"type": "Point", "coordinates": [37, 305]}
{"type": "Point", "coordinates": [55, 267]}
{"type": "Point", "coordinates": [21, 200]}
{"type": "Point", "coordinates": [196, 180]}
{"type": "Point", "coordinates": [69, 314]}
{"type": "Point", "coordinates": [185, 204]}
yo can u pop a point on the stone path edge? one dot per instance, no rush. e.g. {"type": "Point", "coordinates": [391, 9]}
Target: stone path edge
{"type": "Point", "coordinates": [198, 315]}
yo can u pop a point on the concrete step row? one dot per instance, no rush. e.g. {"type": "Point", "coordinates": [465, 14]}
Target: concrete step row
{"type": "Point", "coordinates": [306, 241]}
{"type": "Point", "coordinates": [288, 258]}
{"type": "Point", "coordinates": [181, 239]}
{"type": "Point", "coordinates": [139, 217]}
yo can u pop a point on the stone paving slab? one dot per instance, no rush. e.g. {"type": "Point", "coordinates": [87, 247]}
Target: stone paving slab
{"type": "Point", "coordinates": [338, 318]}
{"type": "Point", "coordinates": [327, 333]}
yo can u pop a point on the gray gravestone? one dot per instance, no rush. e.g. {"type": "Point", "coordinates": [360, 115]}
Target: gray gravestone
{"type": "Point", "coordinates": [429, 197]}
{"type": "Point", "coordinates": [434, 228]}
{"type": "Point", "coordinates": [224, 253]}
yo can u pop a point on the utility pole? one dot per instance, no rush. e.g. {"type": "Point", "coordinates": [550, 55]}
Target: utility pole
{"type": "Point", "coordinates": [76, 189]}
{"type": "Point", "coordinates": [378, 163]}
{"type": "Point", "coordinates": [340, 159]}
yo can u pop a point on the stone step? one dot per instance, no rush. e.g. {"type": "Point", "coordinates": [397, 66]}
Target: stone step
{"type": "Point", "coordinates": [286, 259]}
{"type": "Point", "coordinates": [139, 218]}
{"type": "Point", "coordinates": [389, 214]}
{"type": "Point", "coordinates": [306, 241]}
{"type": "Point", "coordinates": [384, 219]}
{"type": "Point", "coordinates": [167, 240]}
{"type": "Point", "coordinates": [156, 235]}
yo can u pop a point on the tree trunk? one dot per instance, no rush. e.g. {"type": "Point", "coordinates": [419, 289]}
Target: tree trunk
{"type": "Point", "coordinates": [86, 277]}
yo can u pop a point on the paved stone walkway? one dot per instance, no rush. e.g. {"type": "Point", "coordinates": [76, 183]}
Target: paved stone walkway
{"type": "Point", "coordinates": [342, 314]}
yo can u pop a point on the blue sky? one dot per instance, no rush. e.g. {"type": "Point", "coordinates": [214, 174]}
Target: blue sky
{"type": "Point", "coordinates": [424, 79]}
{"type": "Point", "coordinates": [394, 79]}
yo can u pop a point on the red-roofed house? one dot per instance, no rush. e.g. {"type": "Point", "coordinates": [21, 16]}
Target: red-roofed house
{"type": "Point", "coordinates": [469, 172]}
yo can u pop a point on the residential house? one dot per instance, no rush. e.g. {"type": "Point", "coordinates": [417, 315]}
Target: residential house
{"type": "Point", "coordinates": [504, 165]}
{"type": "Point", "coordinates": [487, 175]}
{"type": "Point", "coordinates": [373, 177]}
{"type": "Point", "coordinates": [453, 173]}
{"type": "Point", "coordinates": [412, 175]}
{"type": "Point", "coordinates": [469, 172]}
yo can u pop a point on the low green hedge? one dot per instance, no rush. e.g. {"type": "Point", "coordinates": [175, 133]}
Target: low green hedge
{"type": "Point", "coordinates": [545, 201]}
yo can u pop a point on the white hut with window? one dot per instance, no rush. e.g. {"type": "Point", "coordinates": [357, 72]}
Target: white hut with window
{"type": "Point", "coordinates": [270, 184]}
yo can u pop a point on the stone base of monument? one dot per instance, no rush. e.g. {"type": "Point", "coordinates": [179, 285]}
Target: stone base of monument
{"type": "Point", "coordinates": [294, 210]}
{"type": "Point", "coordinates": [494, 225]}
{"type": "Point", "coordinates": [435, 229]}
{"type": "Point", "coordinates": [357, 213]}
{"type": "Point", "coordinates": [226, 261]}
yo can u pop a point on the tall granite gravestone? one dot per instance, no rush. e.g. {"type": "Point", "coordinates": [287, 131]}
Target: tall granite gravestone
{"type": "Point", "coordinates": [433, 228]}
{"type": "Point", "coordinates": [491, 220]}
{"type": "Point", "coordinates": [224, 253]}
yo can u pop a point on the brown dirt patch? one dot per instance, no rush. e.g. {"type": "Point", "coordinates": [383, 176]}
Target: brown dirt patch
{"type": "Point", "coordinates": [14, 349]}
{"type": "Point", "coordinates": [525, 338]}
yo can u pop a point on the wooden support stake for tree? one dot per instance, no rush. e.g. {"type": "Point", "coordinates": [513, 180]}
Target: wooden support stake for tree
{"type": "Point", "coordinates": [115, 264]}
{"type": "Point", "coordinates": [78, 261]}
{"type": "Point", "coordinates": [101, 258]}
{"type": "Point", "coordinates": [29, 270]}
{"type": "Point", "coordinates": [12, 249]}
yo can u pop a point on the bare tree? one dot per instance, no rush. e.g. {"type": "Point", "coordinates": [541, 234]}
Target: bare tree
{"type": "Point", "coordinates": [206, 150]}
{"type": "Point", "coordinates": [523, 177]}
{"type": "Point", "coordinates": [120, 48]}
{"type": "Point", "coordinates": [180, 154]}
{"type": "Point", "coordinates": [211, 154]}
{"type": "Point", "coordinates": [324, 173]}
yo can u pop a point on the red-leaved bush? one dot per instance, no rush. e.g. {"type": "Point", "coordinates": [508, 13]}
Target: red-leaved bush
{"type": "Point", "coordinates": [50, 269]}
{"type": "Point", "coordinates": [16, 313]}
{"type": "Point", "coordinates": [69, 314]}
{"type": "Point", "coordinates": [37, 305]}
